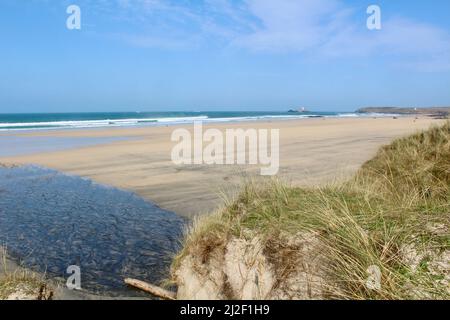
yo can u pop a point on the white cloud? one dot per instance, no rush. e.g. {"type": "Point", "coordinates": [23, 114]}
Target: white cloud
{"type": "Point", "coordinates": [407, 43]}
{"type": "Point", "coordinates": [328, 28]}
{"type": "Point", "coordinates": [314, 28]}
{"type": "Point", "coordinates": [290, 25]}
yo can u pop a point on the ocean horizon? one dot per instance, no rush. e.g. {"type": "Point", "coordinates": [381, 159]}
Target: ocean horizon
{"type": "Point", "coordinates": [47, 121]}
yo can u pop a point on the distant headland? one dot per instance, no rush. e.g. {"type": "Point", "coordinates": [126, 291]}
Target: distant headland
{"type": "Point", "coordinates": [441, 112]}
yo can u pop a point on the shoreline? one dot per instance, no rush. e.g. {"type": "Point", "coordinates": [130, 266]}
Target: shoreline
{"type": "Point", "coordinates": [132, 120]}
{"type": "Point", "coordinates": [312, 151]}
{"type": "Point", "coordinates": [114, 131]}
{"type": "Point", "coordinates": [341, 131]}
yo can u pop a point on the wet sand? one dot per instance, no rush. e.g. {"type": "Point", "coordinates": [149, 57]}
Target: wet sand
{"type": "Point", "coordinates": [312, 151]}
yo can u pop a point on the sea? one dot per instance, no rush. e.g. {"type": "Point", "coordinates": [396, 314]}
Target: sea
{"type": "Point", "coordinates": [48, 121]}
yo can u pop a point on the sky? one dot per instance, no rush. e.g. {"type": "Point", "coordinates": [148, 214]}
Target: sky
{"type": "Point", "coordinates": [209, 55]}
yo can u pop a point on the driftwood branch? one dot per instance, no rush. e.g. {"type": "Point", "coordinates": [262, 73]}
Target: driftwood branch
{"type": "Point", "coordinates": [149, 288]}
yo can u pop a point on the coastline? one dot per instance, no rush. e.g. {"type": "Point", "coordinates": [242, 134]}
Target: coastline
{"type": "Point", "coordinates": [312, 151]}
{"type": "Point", "coordinates": [323, 155]}
{"type": "Point", "coordinates": [107, 120]}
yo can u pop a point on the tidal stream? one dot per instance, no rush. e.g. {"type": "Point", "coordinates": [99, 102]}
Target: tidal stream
{"type": "Point", "coordinates": [49, 221]}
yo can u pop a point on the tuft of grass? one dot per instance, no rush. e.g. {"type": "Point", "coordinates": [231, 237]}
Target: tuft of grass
{"type": "Point", "coordinates": [412, 170]}
{"type": "Point", "coordinates": [395, 201]}
{"type": "Point", "coordinates": [21, 281]}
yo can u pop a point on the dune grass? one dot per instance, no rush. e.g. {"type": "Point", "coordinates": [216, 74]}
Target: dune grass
{"type": "Point", "coordinates": [394, 214]}
{"type": "Point", "coordinates": [21, 282]}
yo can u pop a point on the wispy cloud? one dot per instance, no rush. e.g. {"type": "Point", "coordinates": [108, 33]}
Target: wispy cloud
{"type": "Point", "coordinates": [328, 28]}
{"type": "Point", "coordinates": [315, 28]}
{"type": "Point", "coordinates": [290, 25]}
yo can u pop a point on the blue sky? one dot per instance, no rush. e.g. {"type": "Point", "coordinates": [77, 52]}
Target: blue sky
{"type": "Point", "coordinates": [166, 55]}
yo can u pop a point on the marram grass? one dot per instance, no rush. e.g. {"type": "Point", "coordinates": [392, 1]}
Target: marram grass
{"type": "Point", "coordinates": [399, 199]}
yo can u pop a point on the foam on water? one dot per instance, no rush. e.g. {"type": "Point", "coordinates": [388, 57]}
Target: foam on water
{"type": "Point", "coordinates": [19, 122]}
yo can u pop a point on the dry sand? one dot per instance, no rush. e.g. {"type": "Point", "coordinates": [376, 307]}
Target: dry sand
{"type": "Point", "coordinates": [312, 151]}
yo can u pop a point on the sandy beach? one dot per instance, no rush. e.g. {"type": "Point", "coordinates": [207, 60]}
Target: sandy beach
{"type": "Point", "coordinates": [312, 151]}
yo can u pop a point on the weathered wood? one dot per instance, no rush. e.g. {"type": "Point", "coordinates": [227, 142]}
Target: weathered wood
{"type": "Point", "coordinates": [154, 290]}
